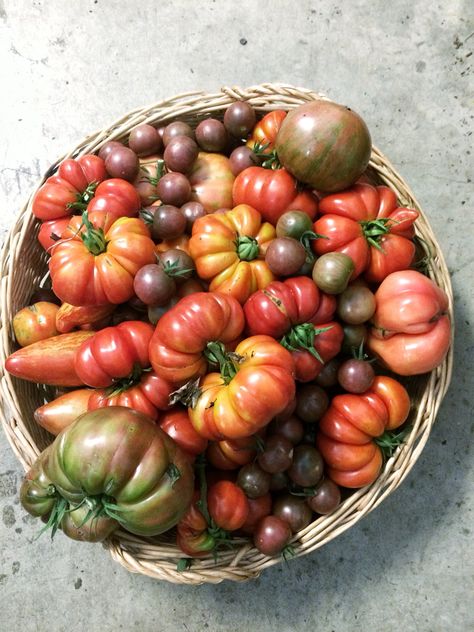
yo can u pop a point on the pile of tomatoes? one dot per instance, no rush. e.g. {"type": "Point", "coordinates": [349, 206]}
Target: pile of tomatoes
{"type": "Point", "coordinates": [229, 308]}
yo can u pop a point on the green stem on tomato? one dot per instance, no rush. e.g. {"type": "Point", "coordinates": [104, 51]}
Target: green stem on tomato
{"type": "Point", "coordinates": [247, 248]}
{"type": "Point", "coordinates": [216, 353]}
{"type": "Point", "coordinates": [93, 238]}
{"type": "Point", "coordinates": [302, 337]}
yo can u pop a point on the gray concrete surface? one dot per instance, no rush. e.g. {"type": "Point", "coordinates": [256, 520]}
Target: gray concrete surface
{"type": "Point", "coordinates": [67, 68]}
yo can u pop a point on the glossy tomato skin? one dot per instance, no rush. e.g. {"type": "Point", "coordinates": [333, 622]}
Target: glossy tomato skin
{"type": "Point", "coordinates": [60, 412]}
{"type": "Point", "coordinates": [262, 387]}
{"type": "Point", "coordinates": [258, 509]}
{"type": "Point", "coordinates": [51, 231]}
{"type": "Point", "coordinates": [147, 476]}
{"type": "Point", "coordinates": [181, 335]}
{"type": "Point", "coordinates": [228, 505]}
{"type": "Point", "coordinates": [177, 425]}
{"type": "Point", "coordinates": [324, 144]}
{"type": "Point", "coordinates": [223, 255]}
{"type": "Point", "coordinates": [80, 277]}
{"type": "Point", "coordinates": [266, 130]}
{"type": "Point", "coordinates": [53, 199]}
{"type": "Point", "coordinates": [274, 310]}
{"type": "Point", "coordinates": [211, 181]}
{"type": "Point", "coordinates": [49, 361]}
{"type": "Point", "coordinates": [232, 454]}
{"type": "Point", "coordinates": [412, 331]}
{"type": "Point", "coordinates": [113, 352]}
{"type": "Point", "coordinates": [327, 344]}
{"type": "Point", "coordinates": [344, 222]}
{"type": "Point", "coordinates": [69, 316]}
{"type": "Point", "coordinates": [117, 198]}
{"type": "Point", "coordinates": [272, 192]}
{"type": "Point", "coordinates": [193, 537]}
{"type": "Point", "coordinates": [35, 322]}
{"type": "Point", "coordinates": [347, 430]}
{"type": "Point", "coordinates": [271, 535]}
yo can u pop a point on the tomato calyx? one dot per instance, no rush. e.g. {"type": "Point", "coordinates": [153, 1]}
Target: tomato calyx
{"type": "Point", "coordinates": [124, 384]}
{"type": "Point", "coordinates": [188, 394]}
{"type": "Point", "coordinates": [305, 240]}
{"type": "Point", "coordinates": [389, 441]}
{"type": "Point", "coordinates": [375, 229]}
{"type": "Point", "coordinates": [83, 199]}
{"type": "Point", "coordinates": [93, 238]}
{"type": "Point", "coordinates": [302, 337]}
{"type": "Point", "coordinates": [160, 172]}
{"type": "Point", "coordinates": [216, 353]}
{"type": "Point", "coordinates": [174, 270]}
{"type": "Point", "coordinates": [247, 248]}
{"type": "Point", "coordinates": [270, 158]}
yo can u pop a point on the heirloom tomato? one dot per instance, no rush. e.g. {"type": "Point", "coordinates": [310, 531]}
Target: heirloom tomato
{"type": "Point", "coordinates": [114, 353]}
{"type": "Point", "coordinates": [265, 131]}
{"type": "Point", "coordinates": [211, 181]}
{"type": "Point", "coordinates": [231, 454]}
{"type": "Point", "coordinates": [50, 232]}
{"type": "Point", "coordinates": [348, 431]}
{"type": "Point", "coordinates": [193, 536]}
{"type": "Point", "coordinates": [97, 259]}
{"type": "Point", "coordinates": [412, 329]}
{"type": "Point", "coordinates": [117, 198]}
{"type": "Point", "coordinates": [177, 425]}
{"type": "Point", "coordinates": [35, 322]}
{"type": "Point", "coordinates": [324, 144]}
{"type": "Point", "coordinates": [228, 249]}
{"type": "Point", "coordinates": [365, 223]}
{"type": "Point", "coordinates": [228, 505]}
{"type": "Point", "coordinates": [256, 383]}
{"type": "Point", "coordinates": [177, 348]}
{"type": "Point", "coordinates": [49, 361]}
{"type": "Point", "coordinates": [118, 463]}
{"type": "Point", "coordinates": [272, 192]}
{"type": "Point", "coordinates": [70, 316]}
{"type": "Point", "coordinates": [59, 413]}
{"type": "Point", "coordinates": [74, 183]}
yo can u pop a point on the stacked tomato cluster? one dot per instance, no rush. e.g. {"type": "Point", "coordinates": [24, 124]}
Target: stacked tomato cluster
{"type": "Point", "coordinates": [214, 292]}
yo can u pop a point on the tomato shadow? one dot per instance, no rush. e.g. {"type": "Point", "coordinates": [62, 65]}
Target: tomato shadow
{"type": "Point", "coordinates": [399, 539]}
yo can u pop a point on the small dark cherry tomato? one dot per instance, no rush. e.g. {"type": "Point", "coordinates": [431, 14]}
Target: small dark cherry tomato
{"type": "Point", "coordinates": [144, 140]}
{"type": "Point", "coordinates": [307, 467]}
{"type": "Point", "coordinates": [355, 376]}
{"type": "Point", "coordinates": [328, 375]}
{"type": "Point", "coordinates": [241, 158]}
{"type": "Point", "coordinates": [332, 272]}
{"type": "Point", "coordinates": [285, 256]}
{"type": "Point", "coordinates": [277, 455]}
{"type": "Point", "coordinates": [239, 119]}
{"type": "Point", "coordinates": [153, 286]}
{"type": "Point", "coordinates": [192, 211]}
{"type": "Point", "coordinates": [354, 337]}
{"type": "Point", "coordinates": [180, 154]}
{"type": "Point", "coordinates": [177, 128]}
{"type": "Point", "coordinates": [123, 163]}
{"type": "Point", "coordinates": [327, 497]}
{"type": "Point", "coordinates": [292, 428]}
{"type": "Point", "coordinates": [311, 403]}
{"type": "Point", "coordinates": [109, 146]}
{"type": "Point", "coordinates": [168, 222]}
{"type": "Point", "coordinates": [258, 509]}
{"type": "Point", "coordinates": [293, 224]}
{"type": "Point", "coordinates": [356, 305]}
{"type": "Point", "coordinates": [211, 135]}
{"type": "Point", "coordinates": [173, 188]}
{"type": "Point", "coordinates": [279, 482]}
{"type": "Point", "coordinates": [293, 510]}
{"type": "Point", "coordinates": [253, 480]}
{"type": "Point", "coordinates": [271, 535]}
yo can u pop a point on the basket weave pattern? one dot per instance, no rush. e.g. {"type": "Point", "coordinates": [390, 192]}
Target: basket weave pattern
{"type": "Point", "coordinates": [23, 264]}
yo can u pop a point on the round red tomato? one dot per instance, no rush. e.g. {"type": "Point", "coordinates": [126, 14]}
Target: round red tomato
{"type": "Point", "coordinates": [177, 425]}
{"type": "Point", "coordinates": [228, 505]}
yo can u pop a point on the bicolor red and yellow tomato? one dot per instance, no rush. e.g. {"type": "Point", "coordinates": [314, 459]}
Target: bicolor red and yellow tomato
{"type": "Point", "coordinates": [211, 180]}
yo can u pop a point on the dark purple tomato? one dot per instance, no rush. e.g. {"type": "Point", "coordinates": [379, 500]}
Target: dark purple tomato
{"type": "Point", "coordinates": [178, 128]}
{"type": "Point", "coordinates": [153, 286]}
{"type": "Point", "coordinates": [44, 294]}
{"type": "Point", "coordinates": [355, 376]}
{"type": "Point", "coordinates": [155, 312]}
{"type": "Point", "coordinates": [332, 272]}
{"type": "Point", "coordinates": [241, 158]}
{"type": "Point", "coordinates": [279, 482]}
{"type": "Point", "coordinates": [168, 222]}
{"type": "Point", "coordinates": [192, 211]}
{"type": "Point", "coordinates": [211, 135]}
{"type": "Point", "coordinates": [144, 140]}
{"type": "Point", "coordinates": [109, 146]}
{"type": "Point", "coordinates": [311, 403]}
{"type": "Point", "coordinates": [239, 119]}
{"type": "Point", "coordinates": [271, 535]}
{"type": "Point", "coordinates": [293, 510]}
{"type": "Point", "coordinates": [285, 256]}
{"type": "Point", "coordinates": [327, 497]}
{"type": "Point", "coordinates": [354, 337]}
{"type": "Point", "coordinates": [173, 188]}
{"type": "Point", "coordinates": [328, 374]}
{"type": "Point", "coordinates": [307, 467]}
{"type": "Point", "coordinates": [292, 428]}
{"type": "Point", "coordinates": [277, 455]}
{"type": "Point", "coordinates": [253, 480]}
{"type": "Point", "coordinates": [178, 264]}
{"type": "Point", "coordinates": [293, 224]}
{"type": "Point", "coordinates": [356, 305]}
{"type": "Point", "coordinates": [123, 163]}
{"type": "Point", "coordinates": [180, 154]}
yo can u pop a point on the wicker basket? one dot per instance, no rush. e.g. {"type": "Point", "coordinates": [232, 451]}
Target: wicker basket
{"type": "Point", "coordinates": [23, 265]}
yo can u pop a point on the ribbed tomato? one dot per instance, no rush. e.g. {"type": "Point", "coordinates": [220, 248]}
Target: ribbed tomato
{"type": "Point", "coordinates": [117, 198]}
{"type": "Point", "coordinates": [265, 131]}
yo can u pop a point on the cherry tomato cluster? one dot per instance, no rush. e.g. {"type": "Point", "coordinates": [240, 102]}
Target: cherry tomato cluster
{"type": "Point", "coordinates": [228, 281]}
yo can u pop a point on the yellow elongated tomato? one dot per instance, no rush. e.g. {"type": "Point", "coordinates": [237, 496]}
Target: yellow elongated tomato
{"type": "Point", "coordinates": [229, 249]}
{"type": "Point", "coordinates": [256, 383]}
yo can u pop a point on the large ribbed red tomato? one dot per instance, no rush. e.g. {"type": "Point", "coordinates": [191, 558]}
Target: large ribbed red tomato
{"type": "Point", "coordinates": [75, 182]}
{"type": "Point", "coordinates": [116, 197]}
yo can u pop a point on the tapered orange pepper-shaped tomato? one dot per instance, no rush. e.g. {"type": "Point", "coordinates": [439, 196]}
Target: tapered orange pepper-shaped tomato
{"type": "Point", "coordinates": [229, 250]}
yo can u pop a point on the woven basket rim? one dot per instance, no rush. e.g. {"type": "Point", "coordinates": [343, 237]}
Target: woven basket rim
{"type": "Point", "coordinates": [155, 557]}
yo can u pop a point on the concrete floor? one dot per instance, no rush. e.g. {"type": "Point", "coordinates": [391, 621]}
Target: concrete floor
{"type": "Point", "coordinates": [67, 68]}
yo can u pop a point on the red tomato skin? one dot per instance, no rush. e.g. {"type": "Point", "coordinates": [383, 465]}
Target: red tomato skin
{"type": "Point", "coordinates": [227, 505]}
{"type": "Point", "coordinates": [258, 509]}
{"type": "Point", "coordinates": [116, 197]}
{"type": "Point", "coordinates": [112, 353]}
{"type": "Point", "coordinates": [327, 344]}
{"type": "Point", "coordinates": [231, 454]}
{"type": "Point", "coordinates": [354, 479]}
{"type": "Point", "coordinates": [51, 230]}
{"type": "Point", "coordinates": [343, 456]}
{"type": "Point", "coordinates": [266, 130]}
{"type": "Point", "coordinates": [272, 192]}
{"type": "Point", "coordinates": [177, 425]}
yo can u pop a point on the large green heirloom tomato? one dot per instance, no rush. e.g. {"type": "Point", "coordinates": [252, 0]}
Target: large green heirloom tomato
{"type": "Point", "coordinates": [111, 468]}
